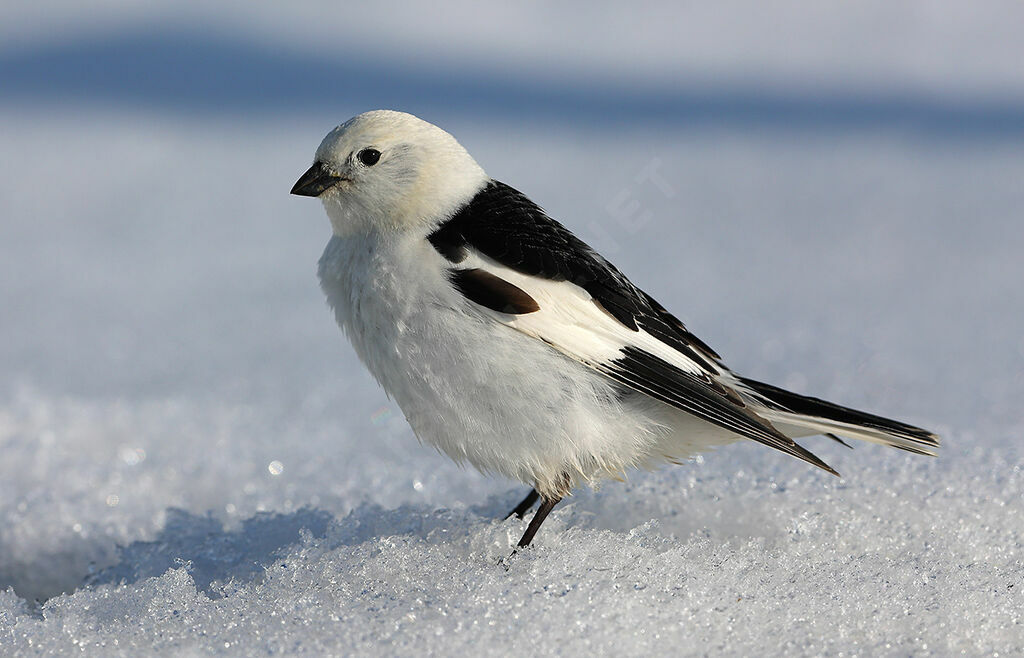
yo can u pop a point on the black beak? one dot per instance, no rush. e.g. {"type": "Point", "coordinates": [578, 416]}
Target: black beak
{"type": "Point", "coordinates": [316, 179]}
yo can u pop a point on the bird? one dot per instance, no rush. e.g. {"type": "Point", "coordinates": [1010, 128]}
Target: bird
{"type": "Point", "coordinates": [512, 345]}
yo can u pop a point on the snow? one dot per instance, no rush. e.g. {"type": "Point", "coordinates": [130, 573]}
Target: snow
{"type": "Point", "coordinates": [194, 462]}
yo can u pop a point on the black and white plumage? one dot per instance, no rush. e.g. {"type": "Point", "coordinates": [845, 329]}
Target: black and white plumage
{"type": "Point", "coordinates": [514, 346]}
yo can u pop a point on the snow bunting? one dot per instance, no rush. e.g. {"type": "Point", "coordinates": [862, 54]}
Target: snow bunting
{"type": "Point", "coordinates": [511, 344]}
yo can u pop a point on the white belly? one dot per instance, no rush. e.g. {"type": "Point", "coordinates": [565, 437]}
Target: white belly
{"type": "Point", "coordinates": [484, 393]}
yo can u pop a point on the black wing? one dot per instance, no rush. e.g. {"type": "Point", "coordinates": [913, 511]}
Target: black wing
{"type": "Point", "coordinates": [504, 225]}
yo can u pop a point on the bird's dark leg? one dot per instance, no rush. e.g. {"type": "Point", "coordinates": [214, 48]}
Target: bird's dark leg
{"type": "Point", "coordinates": [524, 505]}
{"type": "Point", "coordinates": [546, 505]}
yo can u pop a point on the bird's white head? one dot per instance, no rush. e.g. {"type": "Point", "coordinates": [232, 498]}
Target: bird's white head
{"type": "Point", "coordinates": [385, 171]}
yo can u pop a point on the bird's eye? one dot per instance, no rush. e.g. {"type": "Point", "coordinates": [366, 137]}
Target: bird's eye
{"type": "Point", "coordinates": [369, 157]}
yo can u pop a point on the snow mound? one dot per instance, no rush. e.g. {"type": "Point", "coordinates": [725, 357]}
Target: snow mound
{"type": "Point", "coordinates": [891, 566]}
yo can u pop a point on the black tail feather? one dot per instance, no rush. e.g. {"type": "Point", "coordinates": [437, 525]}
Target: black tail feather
{"type": "Point", "coordinates": [784, 400]}
{"type": "Point", "coordinates": [838, 440]}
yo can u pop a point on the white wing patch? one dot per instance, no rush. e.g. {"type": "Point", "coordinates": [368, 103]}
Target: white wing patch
{"type": "Point", "coordinates": [574, 323]}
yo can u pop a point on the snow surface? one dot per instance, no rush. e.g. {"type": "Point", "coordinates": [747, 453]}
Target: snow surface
{"type": "Point", "coordinates": [194, 462]}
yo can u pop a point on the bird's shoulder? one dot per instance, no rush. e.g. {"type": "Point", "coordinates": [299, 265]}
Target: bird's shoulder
{"type": "Point", "coordinates": [504, 225]}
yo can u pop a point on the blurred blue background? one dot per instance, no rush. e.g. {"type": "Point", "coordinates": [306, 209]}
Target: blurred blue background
{"type": "Point", "coordinates": [939, 68]}
{"type": "Point", "coordinates": [149, 147]}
